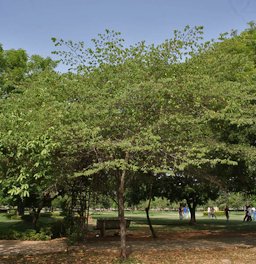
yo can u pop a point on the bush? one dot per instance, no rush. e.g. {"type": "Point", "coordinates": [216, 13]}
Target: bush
{"type": "Point", "coordinates": [217, 213]}
{"type": "Point", "coordinates": [58, 229]}
{"type": "Point", "coordinates": [46, 214]}
{"type": "Point", "coordinates": [29, 234]}
{"type": "Point", "coordinates": [27, 218]}
{"type": "Point", "coordinates": [13, 216]}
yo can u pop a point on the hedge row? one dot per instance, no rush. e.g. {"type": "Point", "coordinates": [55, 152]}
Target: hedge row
{"type": "Point", "coordinates": [217, 213]}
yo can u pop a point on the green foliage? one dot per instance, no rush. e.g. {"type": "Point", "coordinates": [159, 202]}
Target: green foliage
{"type": "Point", "coordinates": [13, 227]}
{"type": "Point", "coordinates": [29, 234]}
{"type": "Point", "coordinates": [157, 203]}
{"type": "Point", "coordinates": [216, 213]}
{"type": "Point", "coordinates": [58, 229]}
{"type": "Point", "coordinates": [182, 112]}
{"type": "Point", "coordinates": [235, 201]}
{"type": "Point", "coordinates": [16, 68]}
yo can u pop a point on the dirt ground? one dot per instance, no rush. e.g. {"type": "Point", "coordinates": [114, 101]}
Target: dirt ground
{"type": "Point", "coordinates": [201, 247]}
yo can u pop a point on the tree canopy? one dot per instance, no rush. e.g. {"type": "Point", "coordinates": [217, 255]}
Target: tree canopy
{"type": "Point", "coordinates": [182, 112]}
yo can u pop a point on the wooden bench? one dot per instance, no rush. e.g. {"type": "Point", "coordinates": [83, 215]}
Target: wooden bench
{"type": "Point", "coordinates": [110, 223]}
{"type": "Point", "coordinates": [4, 210]}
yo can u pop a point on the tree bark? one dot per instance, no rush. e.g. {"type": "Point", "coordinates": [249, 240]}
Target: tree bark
{"type": "Point", "coordinates": [123, 249]}
{"type": "Point", "coordinates": [192, 209]}
{"type": "Point", "coordinates": [21, 208]}
{"type": "Point", "coordinates": [36, 212]}
{"type": "Point", "coordinates": [149, 223]}
{"type": "Point", "coordinates": [123, 253]}
{"type": "Point", "coordinates": [147, 213]}
{"type": "Point", "coordinates": [35, 216]}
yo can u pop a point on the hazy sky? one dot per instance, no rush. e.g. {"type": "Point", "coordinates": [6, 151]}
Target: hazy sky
{"type": "Point", "coordinates": [30, 24]}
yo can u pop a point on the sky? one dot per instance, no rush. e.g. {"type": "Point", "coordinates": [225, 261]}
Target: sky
{"type": "Point", "coordinates": [30, 24]}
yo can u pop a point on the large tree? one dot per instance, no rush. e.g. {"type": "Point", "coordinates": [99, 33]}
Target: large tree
{"type": "Point", "coordinates": [134, 98]}
{"type": "Point", "coordinates": [123, 111]}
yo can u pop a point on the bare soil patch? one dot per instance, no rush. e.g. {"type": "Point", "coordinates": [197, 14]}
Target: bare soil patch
{"type": "Point", "coordinates": [206, 247]}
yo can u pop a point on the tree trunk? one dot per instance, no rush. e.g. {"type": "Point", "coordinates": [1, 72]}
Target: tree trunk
{"type": "Point", "coordinates": [20, 209]}
{"type": "Point", "coordinates": [147, 213]}
{"type": "Point", "coordinates": [36, 212]}
{"type": "Point", "coordinates": [192, 208]}
{"type": "Point", "coordinates": [35, 215]}
{"type": "Point", "coordinates": [123, 253]}
{"type": "Point", "coordinates": [193, 215]}
{"type": "Point", "coordinates": [149, 222]}
{"type": "Point", "coordinates": [88, 210]}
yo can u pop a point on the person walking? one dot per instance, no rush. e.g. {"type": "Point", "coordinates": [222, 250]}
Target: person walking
{"type": "Point", "coordinates": [248, 214]}
{"type": "Point", "coordinates": [186, 212]}
{"type": "Point", "coordinates": [249, 218]}
{"type": "Point", "coordinates": [180, 212]}
{"type": "Point", "coordinates": [227, 213]}
{"type": "Point", "coordinates": [253, 213]}
{"type": "Point", "coordinates": [209, 212]}
{"type": "Point", "coordinates": [213, 212]}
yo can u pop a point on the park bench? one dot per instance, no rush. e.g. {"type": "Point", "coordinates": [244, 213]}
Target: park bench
{"type": "Point", "coordinates": [107, 224]}
{"type": "Point", "coordinates": [4, 210]}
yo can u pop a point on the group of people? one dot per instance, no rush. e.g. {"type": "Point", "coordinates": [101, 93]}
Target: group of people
{"type": "Point", "coordinates": [250, 213]}
{"type": "Point", "coordinates": [183, 212]}
{"type": "Point", "coordinates": [211, 212]}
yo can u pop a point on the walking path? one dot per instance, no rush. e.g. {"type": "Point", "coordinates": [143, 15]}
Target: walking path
{"type": "Point", "coordinates": [12, 247]}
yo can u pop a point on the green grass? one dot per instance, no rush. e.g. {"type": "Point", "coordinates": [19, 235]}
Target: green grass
{"type": "Point", "coordinates": [7, 224]}
{"type": "Point", "coordinates": [162, 221]}
{"type": "Point", "coordinates": [168, 221]}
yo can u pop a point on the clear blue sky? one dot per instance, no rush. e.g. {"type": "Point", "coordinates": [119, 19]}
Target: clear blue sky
{"type": "Point", "coordinates": [30, 24]}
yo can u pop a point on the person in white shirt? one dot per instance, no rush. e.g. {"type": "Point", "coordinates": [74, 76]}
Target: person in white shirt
{"type": "Point", "coordinates": [253, 213]}
{"type": "Point", "coordinates": [209, 212]}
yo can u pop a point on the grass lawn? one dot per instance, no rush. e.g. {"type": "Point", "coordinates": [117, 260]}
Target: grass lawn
{"type": "Point", "coordinates": [164, 221]}
{"type": "Point", "coordinates": [7, 223]}
{"type": "Point", "coordinates": [169, 221]}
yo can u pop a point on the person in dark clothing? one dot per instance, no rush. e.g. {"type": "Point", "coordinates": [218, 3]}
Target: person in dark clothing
{"type": "Point", "coordinates": [227, 212]}
{"type": "Point", "coordinates": [248, 212]}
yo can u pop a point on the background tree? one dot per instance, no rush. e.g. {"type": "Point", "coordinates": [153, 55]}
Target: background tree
{"type": "Point", "coordinates": [16, 66]}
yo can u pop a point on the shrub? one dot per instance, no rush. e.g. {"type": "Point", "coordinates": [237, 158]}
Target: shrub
{"type": "Point", "coordinates": [13, 216]}
{"type": "Point", "coordinates": [46, 214]}
{"type": "Point", "coordinates": [29, 234]}
{"type": "Point", "coordinates": [58, 229]}
{"type": "Point", "coordinates": [27, 218]}
{"type": "Point", "coordinates": [217, 213]}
